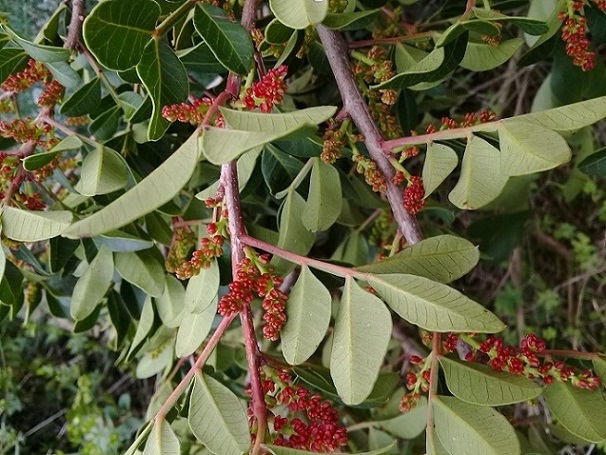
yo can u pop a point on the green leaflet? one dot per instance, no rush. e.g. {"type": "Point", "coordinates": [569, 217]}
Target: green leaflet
{"type": "Point", "coordinates": [113, 23]}
{"type": "Point", "coordinates": [440, 161]}
{"type": "Point", "coordinates": [582, 412]}
{"type": "Point", "coordinates": [165, 79]}
{"type": "Point", "coordinates": [522, 153]}
{"type": "Point", "coordinates": [92, 285]}
{"type": "Point", "coordinates": [595, 164]}
{"type": "Point", "coordinates": [202, 289]}
{"type": "Point", "coordinates": [64, 74]}
{"type": "Point", "coordinates": [123, 242]}
{"type": "Point", "coordinates": [152, 192]}
{"type": "Point", "coordinates": [162, 440]}
{"type": "Point", "coordinates": [252, 129]}
{"type": "Point", "coordinates": [200, 58]}
{"type": "Point", "coordinates": [278, 450]}
{"type": "Point", "coordinates": [11, 61]}
{"type": "Point", "coordinates": [293, 235]}
{"type": "Point", "coordinates": [39, 52]}
{"type": "Point", "coordinates": [599, 366]}
{"type": "Point", "coordinates": [229, 41]}
{"type": "Point", "coordinates": [484, 57]}
{"type": "Point", "coordinates": [84, 100]}
{"type": "Point", "coordinates": [464, 428]}
{"type": "Point", "coordinates": [350, 21]}
{"type": "Point", "coordinates": [308, 317]}
{"type": "Point", "coordinates": [443, 258]}
{"type": "Point", "coordinates": [33, 162]}
{"type": "Point", "coordinates": [171, 304]}
{"type": "Point", "coordinates": [567, 118]}
{"type": "Point", "coordinates": [277, 33]}
{"type": "Point", "coordinates": [434, 306]}
{"type": "Point", "coordinates": [408, 425]}
{"type": "Point", "coordinates": [323, 205]}
{"type": "Point", "coordinates": [142, 269]}
{"type": "Point", "coordinates": [279, 169]}
{"type": "Point", "coordinates": [106, 124]}
{"type": "Point", "coordinates": [434, 67]}
{"type": "Point", "coordinates": [33, 226]}
{"type": "Point", "coordinates": [217, 418]}
{"type": "Point", "coordinates": [299, 14]}
{"type": "Point", "coordinates": [479, 384]}
{"type": "Point", "coordinates": [194, 328]}
{"type": "Point", "coordinates": [481, 179]}
{"type": "Point", "coordinates": [103, 171]}
{"type": "Point", "coordinates": [362, 332]}
{"type": "Point", "coordinates": [146, 322]}
{"type": "Point", "coordinates": [274, 123]}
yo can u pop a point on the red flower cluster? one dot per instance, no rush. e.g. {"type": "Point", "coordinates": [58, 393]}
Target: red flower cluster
{"type": "Point", "coordinates": [574, 34]}
{"type": "Point", "coordinates": [301, 420]}
{"type": "Point", "coordinates": [525, 361]}
{"type": "Point", "coordinates": [416, 382]}
{"type": "Point", "coordinates": [25, 130]}
{"type": "Point", "coordinates": [34, 72]}
{"type": "Point", "coordinates": [9, 175]}
{"type": "Point", "coordinates": [254, 276]}
{"type": "Point", "coordinates": [192, 112]}
{"type": "Point", "coordinates": [413, 195]}
{"type": "Point", "coordinates": [269, 91]}
{"type": "Point", "coordinates": [52, 95]}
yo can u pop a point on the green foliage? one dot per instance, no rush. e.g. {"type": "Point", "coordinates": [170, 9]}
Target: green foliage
{"type": "Point", "coordinates": [180, 190]}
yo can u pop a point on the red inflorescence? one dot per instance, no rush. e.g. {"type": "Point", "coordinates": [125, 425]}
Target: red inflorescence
{"type": "Point", "coordinates": [574, 34]}
{"type": "Point", "coordinates": [34, 72]}
{"type": "Point", "coordinates": [52, 95]}
{"type": "Point", "coordinates": [525, 361]}
{"type": "Point", "coordinates": [269, 91]}
{"type": "Point", "coordinates": [413, 195]}
{"type": "Point", "coordinates": [301, 420]}
{"type": "Point", "coordinates": [249, 281]}
{"type": "Point", "coordinates": [192, 112]}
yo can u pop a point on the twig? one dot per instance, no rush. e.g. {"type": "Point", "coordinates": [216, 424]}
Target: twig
{"type": "Point", "coordinates": [206, 352]}
{"type": "Point", "coordinates": [336, 51]}
{"type": "Point", "coordinates": [74, 31]}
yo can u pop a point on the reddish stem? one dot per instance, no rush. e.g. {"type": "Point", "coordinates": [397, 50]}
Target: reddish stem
{"type": "Point", "coordinates": [208, 349]}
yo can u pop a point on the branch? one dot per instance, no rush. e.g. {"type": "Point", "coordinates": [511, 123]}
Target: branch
{"type": "Point", "coordinates": [337, 53]}
{"type": "Point", "coordinates": [74, 31]}
{"type": "Point", "coordinates": [208, 349]}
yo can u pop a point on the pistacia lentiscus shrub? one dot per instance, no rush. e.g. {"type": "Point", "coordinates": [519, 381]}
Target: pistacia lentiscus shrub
{"type": "Point", "coordinates": [256, 202]}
